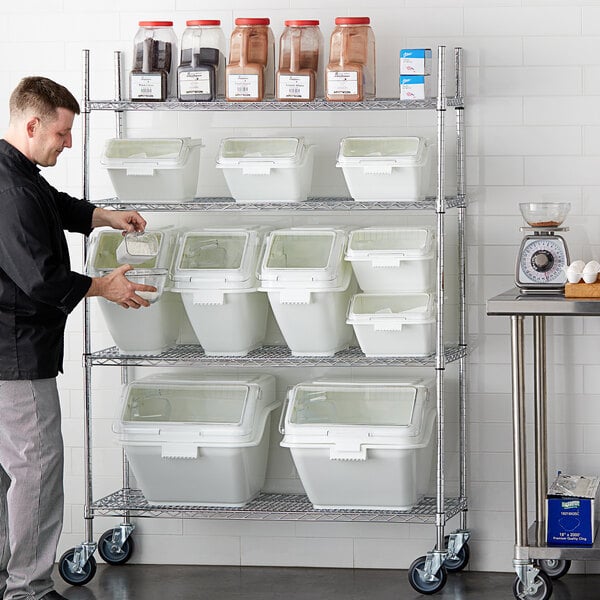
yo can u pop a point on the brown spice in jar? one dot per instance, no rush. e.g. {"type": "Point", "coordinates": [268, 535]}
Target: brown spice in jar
{"type": "Point", "coordinates": [545, 224]}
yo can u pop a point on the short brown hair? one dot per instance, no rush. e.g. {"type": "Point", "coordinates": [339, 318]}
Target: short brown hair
{"type": "Point", "coordinates": [42, 95]}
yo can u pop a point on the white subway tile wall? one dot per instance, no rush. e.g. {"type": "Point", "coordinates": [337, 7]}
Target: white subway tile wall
{"type": "Point", "coordinates": [532, 124]}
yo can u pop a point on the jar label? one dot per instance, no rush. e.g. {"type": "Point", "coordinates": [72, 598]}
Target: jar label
{"type": "Point", "coordinates": [194, 82]}
{"type": "Point", "coordinates": [146, 86]}
{"type": "Point", "coordinates": [294, 86]}
{"type": "Point", "coordinates": [243, 86]}
{"type": "Point", "coordinates": [342, 83]}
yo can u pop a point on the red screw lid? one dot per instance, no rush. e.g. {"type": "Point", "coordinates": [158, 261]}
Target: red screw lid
{"type": "Point", "coordinates": [252, 21]}
{"type": "Point", "coordinates": [302, 23]}
{"type": "Point", "coordinates": [352, 20]}
{"type": "Point", "coordinates": [201, 22]}
{"type": "Point", "coordinates": [155, 23]}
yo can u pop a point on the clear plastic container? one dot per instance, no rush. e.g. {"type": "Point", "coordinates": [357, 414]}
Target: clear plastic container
{"type": "Point", "coordinates": [250, 72]}
{"type": "Point", "coordinates": [137, 247]}
{"type": "Point", "coordinates": [201, 72]}
{"type": "Point", "coordinates": [299, 76]}
{"type": "Point", "coordinates": [350, 74]}
{"type": "Point", "coordinates": [152, 76]}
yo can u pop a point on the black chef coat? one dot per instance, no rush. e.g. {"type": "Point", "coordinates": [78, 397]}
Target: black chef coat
{"type": "Point", "coordinates": [37, 287]}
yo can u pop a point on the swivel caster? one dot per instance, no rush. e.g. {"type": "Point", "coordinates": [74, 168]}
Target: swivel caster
{"type": "Point", "coordinates": [113, 552]}
{"type": "Point", "coordinates": [72, 572]}
{"type": "Point", "coordinates": [554, 567]}
{"type": "Point", "coordinates": [540, 589]}
{"type": "Point", "coordinates": [424, 583]}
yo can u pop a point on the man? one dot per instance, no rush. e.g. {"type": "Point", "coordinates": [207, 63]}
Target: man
{"type": "Point", "coordinates": [37, 292]}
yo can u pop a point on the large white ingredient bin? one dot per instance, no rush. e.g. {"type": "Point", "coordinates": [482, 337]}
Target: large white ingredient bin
{"type": "Point", "coordinates": [146, 330]}
{"type": "Point", "coordinates": [385, 168]}
{"type": "Point", "coordinates": [309, 287]}
{"type": "Point", "coordinates": [215, 273]}
{"type": "Point", "coordinates": [392, 259]}
{"type": "Point", "coordinates": [201, 440]}
{"type": "Point", "coordinates": [362, 444]}
{"type": "Point", "coordinates": [277, 169]}
{"type": "Point", "coordinates": [393, 324]}
{"type": "Point", "coordinates": [153, 169]}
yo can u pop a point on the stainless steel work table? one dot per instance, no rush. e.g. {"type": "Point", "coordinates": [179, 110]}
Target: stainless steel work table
{"type": "Point", "coordinates": [532, 554]}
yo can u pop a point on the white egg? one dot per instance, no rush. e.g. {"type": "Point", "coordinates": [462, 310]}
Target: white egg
{"type": "Point", "coordinates": [573, 273]}
{"type": "Point", "coordinates": [577, 265]}
{"type": "Point", "coordinates": [592, 267]}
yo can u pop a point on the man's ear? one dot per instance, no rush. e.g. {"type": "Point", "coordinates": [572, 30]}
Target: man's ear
{"type": "Point", "coordinates": [32, 126]}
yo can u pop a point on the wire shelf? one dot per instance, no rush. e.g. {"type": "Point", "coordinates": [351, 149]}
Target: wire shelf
{"type": "Point", "coordinates": [267, 356]}
{"type": "Point", "coordinates": [271, 507]}
{"type": "Point", "coordinates": [315, 105]}
{"type": "Point", "coordinates": [312, 204]}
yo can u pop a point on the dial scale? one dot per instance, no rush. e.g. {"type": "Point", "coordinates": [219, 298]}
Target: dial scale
{"type": "Point", "coordinates": [542, 260]}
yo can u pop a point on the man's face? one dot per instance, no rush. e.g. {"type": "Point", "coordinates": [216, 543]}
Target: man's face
{"type": "Point", "coordinates": [51, 137]}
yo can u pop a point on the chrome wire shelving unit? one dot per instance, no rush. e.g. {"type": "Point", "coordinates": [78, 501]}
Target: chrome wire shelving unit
{"type": "Point", "coordinates": [451, 553]}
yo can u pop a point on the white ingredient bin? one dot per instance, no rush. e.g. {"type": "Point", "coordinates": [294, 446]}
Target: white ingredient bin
{"type": "Point", "coordinates": [215, 273]}
{"type": "Point", "coordinates": [201, 440]}
{"type": "Point", "coordinates": [153, 169]}
{"type": "Point", "coordinates": [362, 444]}
{"type": "Point", "coordinates": [146, 330]}
{"type": "Point", "coordinates": [386, 168]}
{"type": "Point", "coordinates": [276, 169]}
{"type": "Point", "coordinates": [392, 259]}
{"type": "Point", "coordinates": [309, 287]}
{"type": "Point", "coordinates": [394, 324]}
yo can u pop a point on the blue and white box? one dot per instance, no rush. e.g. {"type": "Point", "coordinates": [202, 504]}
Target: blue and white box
{"type": "Point", "coordinates": [572, 501]}
{"type": "Point", "coordinates": [415, 87]}
{"type": "Point", "coordinates": [415, 61]}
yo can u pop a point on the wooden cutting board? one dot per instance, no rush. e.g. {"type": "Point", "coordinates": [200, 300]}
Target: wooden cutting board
{"type": "Point", "coordinates": [582, 290]}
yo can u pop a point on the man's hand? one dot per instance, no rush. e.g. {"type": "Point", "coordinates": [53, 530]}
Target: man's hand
{"type": "Point", "coordinates": [117, 288]}
{"type": "Point", "coordinates": [125, 220]}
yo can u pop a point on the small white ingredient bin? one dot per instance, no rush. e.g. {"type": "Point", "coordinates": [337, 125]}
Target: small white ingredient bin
{"type": "Point", "coordinates": [146, 330]}
{"type": "Point", "coordinates": [200, 440]}
{"type": "Point", "coordinates": [153, 170]}
{"type": "Point", "coordinates": [392, 259]}
{"type": "Point", "coordinates": [309, 287]}
{"type": "Point", "coordinates": [385, 168]}
{"type": "Point", "coordinates": [362, 444]}
{"type": "Point", "coordinates": [277, 169]}
{"type": "Point", "coordinates": [393, 324]}
{"type": "Point", "coordinates": [215, 272]}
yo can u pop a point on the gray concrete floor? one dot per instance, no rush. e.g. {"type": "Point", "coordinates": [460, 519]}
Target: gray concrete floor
{"type": "Point", "coordinates": [172, 582]}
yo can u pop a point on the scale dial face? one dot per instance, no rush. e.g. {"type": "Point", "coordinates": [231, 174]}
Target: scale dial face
{"type": "Point", "coordinates": [542, 262]}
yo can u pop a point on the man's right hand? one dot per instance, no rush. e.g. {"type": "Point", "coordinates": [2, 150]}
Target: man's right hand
{"type": "Point", "coordinates": [117, 288]}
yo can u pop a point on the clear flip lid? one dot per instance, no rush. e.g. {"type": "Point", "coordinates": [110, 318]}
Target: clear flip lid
{"type": "Point", "coordinates": [145, 154]}
{"type": "Point", "coordinates": [207, 410]}
{"type": "Point", "coordinates": [105, 243]}
{"type": "Point", "coordinates": [303, 256]}
{"type": "Point", "coordinates": [387, 246]}
{"type": "Point", "coordinates": [216, 258]}
{"type": "Point", "coordinates": [396, 151]}
{"type": "Point", "coordinates": [391, 310]}
{"type": "Point", "coordinates": [260, 153]}
{"type": "Point", "coordinates": [358, 414]}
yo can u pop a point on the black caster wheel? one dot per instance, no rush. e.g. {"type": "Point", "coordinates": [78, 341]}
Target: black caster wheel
{"type": "Point", "coordinates": [111, 553]}
{"type": "Point", "coordinates": [419, 583]}
{"type": "Point", "coordinates": [541, 589]}
{"type": "Point", "coordinates": [459, 562]}
{"type": "Point", "coordinates": [68, 573]}
{"type": "Point", "coordinates": [554, 567]}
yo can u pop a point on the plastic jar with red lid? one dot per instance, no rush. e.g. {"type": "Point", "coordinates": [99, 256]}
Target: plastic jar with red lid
{"type": "Point", "coordinates": [152, 76]}
{"type": "Point", "coordinates": [250, 72]}
{"type": "Point", "coordinates": [300, 72]}
{"type": "Point", "coordinates": [201, 71]}
{"type": "Point", "coordinates": [350, 74]}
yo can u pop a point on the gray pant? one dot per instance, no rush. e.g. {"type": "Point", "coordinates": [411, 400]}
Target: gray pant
{"type": "Point", "coordinates": [31, 487]}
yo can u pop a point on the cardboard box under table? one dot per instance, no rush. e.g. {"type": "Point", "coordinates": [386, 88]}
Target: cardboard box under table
{"type": "Point", "coordinates": [572, 502]}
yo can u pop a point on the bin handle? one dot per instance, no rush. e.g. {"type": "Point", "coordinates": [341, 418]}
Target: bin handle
{"type": "Point", "coordinates": [282, 415]}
